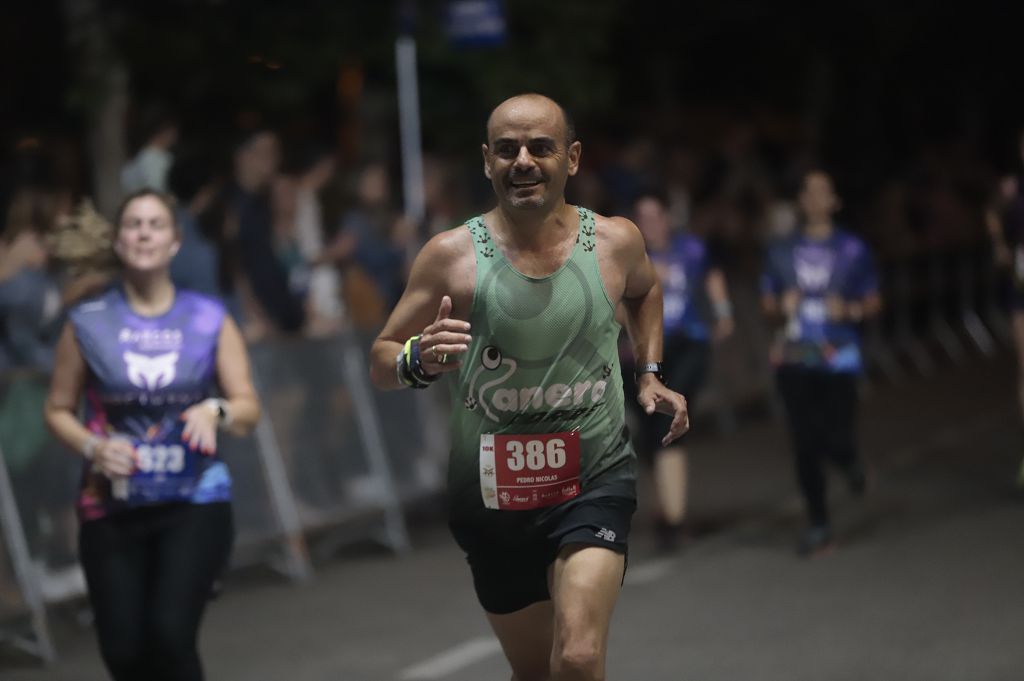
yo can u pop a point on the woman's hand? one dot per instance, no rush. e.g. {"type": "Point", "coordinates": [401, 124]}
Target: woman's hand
{"type": "Point", "coordinates": [200, 433]}
{"type": "Point", "coordinates": [115, 457]}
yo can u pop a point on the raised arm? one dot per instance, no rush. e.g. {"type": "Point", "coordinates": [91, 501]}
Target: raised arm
{"type": "Point", "coordinates": [435, 302]}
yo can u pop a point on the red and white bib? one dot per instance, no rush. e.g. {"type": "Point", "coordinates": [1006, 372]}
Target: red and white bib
{"type": "Point", "coordinates": [524, 472]}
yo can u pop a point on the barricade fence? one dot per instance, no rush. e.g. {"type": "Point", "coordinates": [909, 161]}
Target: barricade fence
{"type": "Point", "coordinates": [335, 460]}
{"type": "Point", "coordinates": [320, 464]}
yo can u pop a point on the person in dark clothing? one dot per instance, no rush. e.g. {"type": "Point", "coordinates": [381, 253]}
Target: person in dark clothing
{"type": "Point", "coordinates": [256, 163]}
{"type": "Point", "coordinates": [819, 285]}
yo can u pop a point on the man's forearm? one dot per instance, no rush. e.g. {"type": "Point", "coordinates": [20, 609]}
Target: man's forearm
{"type": "Point", "coordinates": [644, 324]}
{"type": "Point", "coordinates": [382, 364]}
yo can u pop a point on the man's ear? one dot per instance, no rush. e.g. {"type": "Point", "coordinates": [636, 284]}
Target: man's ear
{"type": "Point", "coordinates": [575, 149]}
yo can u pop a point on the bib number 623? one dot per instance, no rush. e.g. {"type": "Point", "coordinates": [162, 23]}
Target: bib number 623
{"type": "Point", "coordinates": [160, 458]}
{"type": "Point", "coordinates": [535, 454]}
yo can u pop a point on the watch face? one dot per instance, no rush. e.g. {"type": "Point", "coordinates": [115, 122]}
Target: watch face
{"type": "Point", "coordinates": [649, 368]}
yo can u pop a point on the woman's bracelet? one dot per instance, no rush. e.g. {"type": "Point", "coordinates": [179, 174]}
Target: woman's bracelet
{"type": "Point", "coordinates": [90, 446]}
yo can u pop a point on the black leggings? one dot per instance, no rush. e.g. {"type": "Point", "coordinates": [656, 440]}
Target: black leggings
{"type": "Point", "coordinates": [150, 571]}
{"type": "Point", "coordinates": [821, 408]}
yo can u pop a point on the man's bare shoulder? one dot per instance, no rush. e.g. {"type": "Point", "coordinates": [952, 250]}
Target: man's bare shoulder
{"type": "Point", "coordinates": [618, 233]}
{"type": "Point", "coordinates": [448, 247]}
{"type": "Point", "coordinates": [447, 262]}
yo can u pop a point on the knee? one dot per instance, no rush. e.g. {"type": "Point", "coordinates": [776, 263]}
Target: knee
{"type": "Point", "coordinates": [581, 660]}
{"type": "Point", "coordinates": [124, 657]}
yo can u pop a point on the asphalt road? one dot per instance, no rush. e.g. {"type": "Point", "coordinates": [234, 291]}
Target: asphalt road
{"type": "Point", "coordinates": [927, 583]}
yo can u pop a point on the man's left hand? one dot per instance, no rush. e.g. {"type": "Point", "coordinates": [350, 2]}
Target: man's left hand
{"type": "Point", "coordinates": [653, 396]}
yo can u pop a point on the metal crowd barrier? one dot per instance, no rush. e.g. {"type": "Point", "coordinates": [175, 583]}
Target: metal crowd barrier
{"type": "Point", "coordinates": [323, 468]}
{"type": "Point", "coordinates": [939, 307]}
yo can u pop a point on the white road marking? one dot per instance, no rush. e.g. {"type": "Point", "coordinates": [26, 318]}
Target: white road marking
{"type": "Point", "coordinates": [474, 650]}
{"type": "Point", "coordinates": [452, 660]}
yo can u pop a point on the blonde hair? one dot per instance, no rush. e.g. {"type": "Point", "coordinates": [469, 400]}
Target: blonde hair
{"type": "Point", "coordinates": [84, 242]}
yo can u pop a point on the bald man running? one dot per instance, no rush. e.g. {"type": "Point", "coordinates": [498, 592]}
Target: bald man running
{"type": "Point", "coordinates": [519, 306]}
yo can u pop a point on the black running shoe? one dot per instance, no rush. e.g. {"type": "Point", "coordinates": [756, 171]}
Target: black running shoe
{"type": "Point", "coordinates": [815, 540]}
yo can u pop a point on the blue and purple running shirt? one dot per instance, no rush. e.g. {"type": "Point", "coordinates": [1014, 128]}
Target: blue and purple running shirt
{"type": "Point", "coordinates": [839, 265]}
{"type": "Point", "coordinates": [684, 269]}
{"type": "Point", "coordinates": [143, 373]}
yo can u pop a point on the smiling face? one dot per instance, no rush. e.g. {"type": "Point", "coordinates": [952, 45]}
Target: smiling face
{"type": "Point", "coordinates": [529, 156]}
{"type": "Point", "coordinates": [147, 238]}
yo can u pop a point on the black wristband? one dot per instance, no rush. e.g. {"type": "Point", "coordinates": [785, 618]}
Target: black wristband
{"type": "Point", "coordinates": [419, 375]}
{"type": "Point", "coordinates": [649, 368]}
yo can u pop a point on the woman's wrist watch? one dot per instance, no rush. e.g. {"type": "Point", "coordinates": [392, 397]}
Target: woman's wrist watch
{"type": "Point", "coordinates": [221, 409]}
{"type": "Point", "coordinates": [648, 368]}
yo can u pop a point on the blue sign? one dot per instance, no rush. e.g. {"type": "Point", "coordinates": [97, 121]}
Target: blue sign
{"type": "Point", "coordinates": [476, 23]}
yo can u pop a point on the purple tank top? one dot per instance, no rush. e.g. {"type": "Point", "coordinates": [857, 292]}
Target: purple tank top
{"type": "Point", "coordinates": [143, 372]}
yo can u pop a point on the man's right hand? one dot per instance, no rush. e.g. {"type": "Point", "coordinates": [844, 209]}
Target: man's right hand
{"type": "Point", "coordinates": [115, 457]}
{"type": "Point", "coordinates": [443, 343]}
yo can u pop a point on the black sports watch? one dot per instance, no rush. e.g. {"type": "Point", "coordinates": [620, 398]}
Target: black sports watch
{"type": "Point", "coordinates": [649, 368]}
{"type": "Point", "coordinates": [222, 412]}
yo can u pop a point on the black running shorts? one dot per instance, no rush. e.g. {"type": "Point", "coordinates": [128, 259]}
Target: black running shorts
{"type": "Point", "coordinates": [509, 552]}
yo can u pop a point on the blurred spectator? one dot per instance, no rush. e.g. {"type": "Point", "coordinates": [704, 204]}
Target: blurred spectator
{"type": "Point", "coordinates": [196, 185]}
{"type": "Point", "coordinates": [373, 244]}
{"type": "Point", "coordinates": [267, 298]}
{"type": "Point", "coordinates": [680, 176]}
{"type": "Point", "coordinates": [30, 320]}
{"type": "Point", "coordinates": [299, 227]}
{"type": "Point", "coordinates": [1004, 222]}
{"type": "Point", "coordinates": [151, 165]}
{"type": "Point", "coordinates": [30, 301]}
{"type": "Point", "coordinates": [444, 195]}
{"type": "Point", "coordinates": [629, 173]}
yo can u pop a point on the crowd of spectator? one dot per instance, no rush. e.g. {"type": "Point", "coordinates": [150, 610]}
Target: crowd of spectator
{"type": "Point", "coordinates": [300, 239]}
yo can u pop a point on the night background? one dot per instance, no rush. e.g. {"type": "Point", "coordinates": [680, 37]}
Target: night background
{"type": "Point", "coordinates": [916, 109]}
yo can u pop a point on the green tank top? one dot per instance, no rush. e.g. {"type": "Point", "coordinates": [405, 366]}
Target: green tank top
{"type": "Point", "coordinates": [544, 359]}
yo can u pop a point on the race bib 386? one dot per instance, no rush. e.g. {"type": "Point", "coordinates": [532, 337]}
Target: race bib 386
{"type": "Point", "coordinates": [523, 472]}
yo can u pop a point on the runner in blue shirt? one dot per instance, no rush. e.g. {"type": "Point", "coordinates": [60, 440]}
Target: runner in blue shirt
{"type": "Point", "coordinates": [819, 285]}
{"type": "Point", "coordinates": [154, 500]}
{"type": "Point", "coordinates": [697, 310]}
